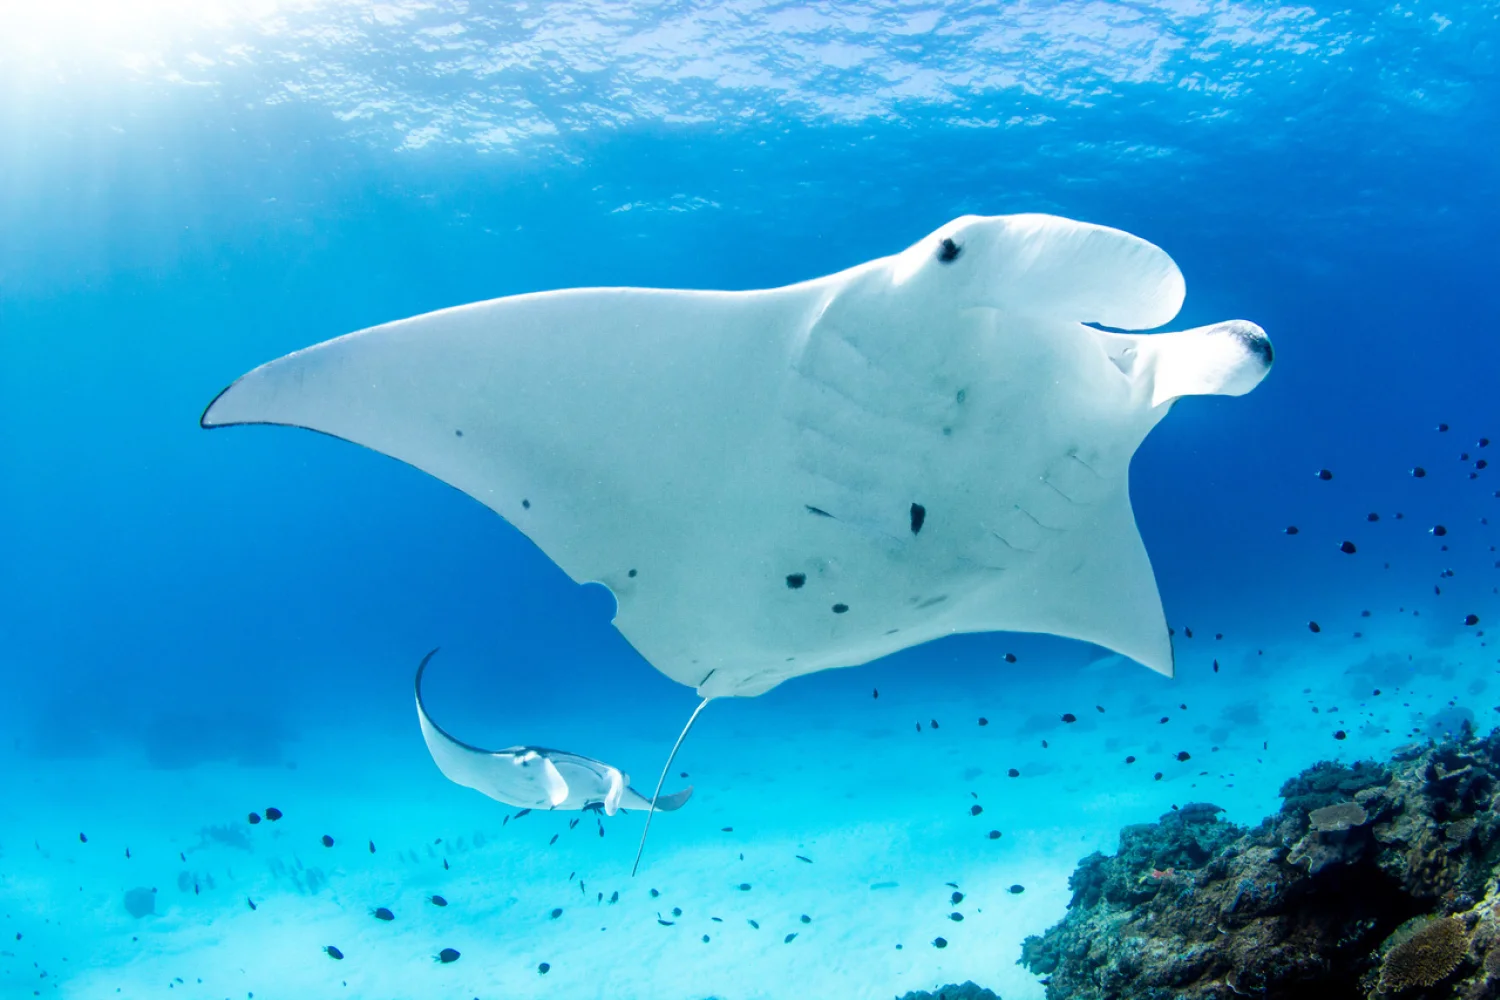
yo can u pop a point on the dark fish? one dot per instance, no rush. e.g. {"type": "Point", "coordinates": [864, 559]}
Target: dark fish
{"type": "Point", "coordinates": [448, 955]}
{"type": "Point", "coordinates": [1044, 744]}
{"type": "Point", "coordinates": [127, 854]}
{"type": "Point", "coordinates": [381, 913]}
{"type": "Point", "coordinates": [1418, 472]}
{"type": "Point", "coordinates": [1099, 709]}
{"type": "Point", "coordinates": [975, 810]}
{"type": "Point", "coordinates": [788, 938]}
{"type": "Point", "coordinates": [1016, 889]}
{"type": "Point", "coordinates": [1442, 428]}
{"type": "Point", "coordinates": [1324, 475]}
{"type": "Point", "coordinates": [1468, 620]}
{"type": "Point", "coordinates": [994, 834]}
{"type": "Point", "coordinates": [523, 812]}
{"type": "Point", "coordinates": [543, 969]}
{"type": "Point", "coordinates": [445, 864]}
{"type": "Point", "coordinates": [956, 917]}
{"type": "Point", "coordinates": [940, 942]}
{"type": "Point", "coordinates": [934, 724]}
{"type": "Point", "coordinates": [655, 893]}
{"type": "Point", "coordinates": [251, 902]}
{"type": "Point", "coordinates": [1439, 531]}
{"type": "Point", "coordinates": [1157, 776]}
{"type": "Point", "coordinates": [755, 924]}
{"type": "Point", "coordinates": [801, 858]}
{"type": "Point", "coordinates": [744, 887]}
{"type": "Point", "coordinates": [983, 721]}
{"type": "Point", "coordinates": [665, 923]}
{"type": "Point", "coordinates": [1372, 517]}
{"type": "Point", "coordinates": [956, 898]}
{"type": "Point", "coordinates": [1314, 627]}
{"type": "Point", "coordinates": [1347, 548]}
{"type": "Point", "coordinates": [1340, 735]}
{"type": "Point", "coordinates": [1184, 755]}
{"type": "Point", "coordinates": [327, 840]}
{"type": "Point", "coordinates": [876, 692]}
{"type": "Point", "coordinates": [273, 814]}
{"type": "Point", "coordinates": [1292, 529]}
{"type": "Point", "coordinates": [334, 952]}
{"type": "Point", "coordinates": [726, 829]}
{"type": "Point", "coordinates": [1188, 632]}
{"type": "Point", "coordinates": [676, 911]}
{"type": "Point", "coordinates": [552, 841]}
{"type": "Point", "coordinates": [254, 818]}
{"type": "Point", "coordinates": [1013, 773]}
{"type": "Point", "coordinates": [1069, 717]}
{"type": "Point", "coordinates": [372, 847]}
{"type": "Point", "coordinates": [805, 919]}
{"type": "Point", "coordinates": [1130, 759]}
{"type": "Point", "coordinates": [614, 897]}
{"type": "Point", "coordinates": [1216, 666]}
{"type": "Point", "coordinates": [1010, 657]}
{"type": "Point", "coordinates": [437, 900]}
{"type": "Point", "coordinates": [556, 912]}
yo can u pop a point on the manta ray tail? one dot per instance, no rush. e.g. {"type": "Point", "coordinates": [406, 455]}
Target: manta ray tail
{"type": "Point", "coordinates": [661, 780]}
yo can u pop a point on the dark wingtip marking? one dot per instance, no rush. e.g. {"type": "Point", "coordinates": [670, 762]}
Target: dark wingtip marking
{"type": "Point", "coordinates": [918, 517]}
{"type": "Point", "coordinates": [203, 417]}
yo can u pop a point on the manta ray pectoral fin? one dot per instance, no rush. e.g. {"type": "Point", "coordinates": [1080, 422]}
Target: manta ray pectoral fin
{"type": "Point", "coordinates": [664, 803]}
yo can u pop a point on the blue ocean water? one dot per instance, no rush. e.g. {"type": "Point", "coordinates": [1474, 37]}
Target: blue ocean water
{"type": "Point", "coordinates": [200, 625]}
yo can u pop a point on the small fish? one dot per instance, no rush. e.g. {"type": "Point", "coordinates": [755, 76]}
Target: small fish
{"type": "Point", "coordinates": [181, 856]}
{"type": "Point", "coordinates": [523, 812]}
{"type": "Point", "coordinates": [1184, 755]}
{"type": "Point", "coordinates": [372, 847]}
{"type": "Point", "coordinates": [801, 858]}
{"type": "Point", "coordinates": [726, 829]}
{"type": "Point", "coordinates": [1292, 529]}
{"type": "Point", "coordinates": [1216, 666]}
{"type": "Point", "coordinates": [251, 902]}
{"type": "Point", "coordinates": [334, 953]}
{"type": "Point", "coordinates": [1016, 889]}
{"type": "Point", "coordinates": [543, 968]}
{"type": "Point", "coordinates": [1314, 627]}
{"type": "Point", "coordinates": [1010, 657]}
{"type": "Point", "coordinates": [956, 917]}
{"type": "Point", "coordinates": [272, 813]}
{"type": "Point", "coordinates": [1130, 759]}
{"type": "Point", "coordinates": [1340, 735]}
{"type": "Point", "coordinates": [614, 897]}
{"type": "Point", "coordinates": [754, 923]}
{"type": "Point", "coordinates": [556, 912]}
{"type": "Point", "coordinates": [1468, 620]}
{"type": "Point", "coordinates": [1347, 548]}
{"type": "Point", "coordinates": [83, 839]}
{"type": "Point", "coordinates": [877, 692]}
{"type": "Point", "coordinates": [127, 854]}
{"type": "Point", "coordinates": [1437, 530]}
{"type": "Point", "coordinates": [381, 913]}
{"type": "Point", "coordinates": [665, 923]}
{"type": "Point", "coordinates": [1372, 517]}
{"type": "Point", "coordinates": [744, 887]}
{"type": "Point", "coordinates": [655, 893]}
{"type": "Point", "coordinates": [1324, 475]}
{"type": "Point", "coordinates": [994, 834]}
{"type": "Point", "coordinates": [934, 724]}
{"type": "Point", "coordinates": [553, 840]}
{"type": "Point", "coordinates": [1013, 773]}
{"type": "Point", "coordinates": [983, 721]}
{"type": "Point", "coordinates": [939, 942]}
{"type": "Point", "coordinates": [976, 809]}
{"type": "Point", "coordinates": [254, 818]}
{"type": "Point", "coordinates": [445, 862]}
{"type": "Point", "coordinates": [572, 822]}
{"type": "Point", "coordinates": [327, 840]}
{"type": "Point", "coordinates": [1069, 717]}
{"type": "Point", "coordinates": [956, 898]}
{"type": "Point", "coordinates": [676, 911]}
{"type": "Point", "coordinates": [437, 901]}
{"type": "Point", "coordinates": [789, 938]}
{"type": "Point", "coordinates": [805, 919]}
{"type": "Point", "coordinates": [447, 956]}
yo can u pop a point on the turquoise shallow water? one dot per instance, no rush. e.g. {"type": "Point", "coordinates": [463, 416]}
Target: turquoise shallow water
{"type": "Point", "coordinates": [196, 626]}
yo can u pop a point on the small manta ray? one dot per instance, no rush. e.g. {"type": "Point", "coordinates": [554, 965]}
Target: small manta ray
{"type": "Point", "coordinates": [782, 481]}
{"type": "Point", "coordinates": [534, 777]}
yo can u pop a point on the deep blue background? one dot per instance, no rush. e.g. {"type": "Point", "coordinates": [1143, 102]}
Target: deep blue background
{"type": "Point", "coordinates": [197, 595]}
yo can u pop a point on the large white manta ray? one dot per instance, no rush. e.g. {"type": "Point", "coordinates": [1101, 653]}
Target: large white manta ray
{"type": "Point", "coordinates": [777, 482]}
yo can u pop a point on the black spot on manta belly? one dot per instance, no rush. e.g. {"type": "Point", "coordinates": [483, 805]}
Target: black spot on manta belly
{"type": "Point", "coordinates": [918, 517]}
{"type": "Point", "coordinates": [948, 251]}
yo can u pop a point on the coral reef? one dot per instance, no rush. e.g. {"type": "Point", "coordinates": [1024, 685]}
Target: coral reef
{"type": "Point", "coordinates": [966, 991]}
{"type": "Point", "coordinates": [1373, 881]}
